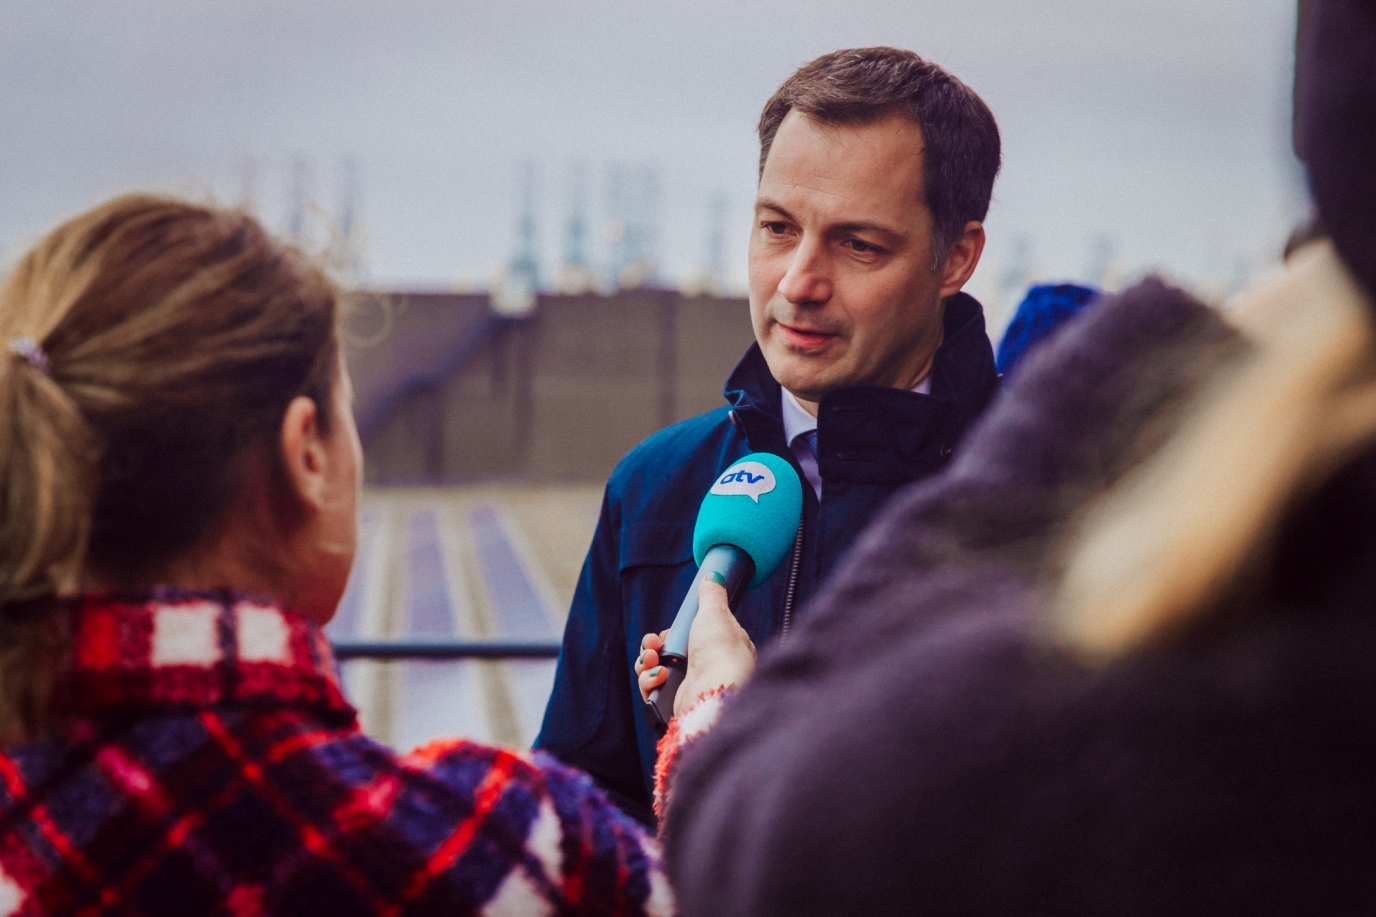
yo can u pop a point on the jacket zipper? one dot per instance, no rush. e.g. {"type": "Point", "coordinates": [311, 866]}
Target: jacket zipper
{"type": "Point", "coordinates": [792, 591]}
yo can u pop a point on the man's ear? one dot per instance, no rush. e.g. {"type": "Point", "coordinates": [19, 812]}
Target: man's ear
{"type": "Point", "coordinates": [962, 259]}
{"type": "Point", "coordinates": [305, 459]}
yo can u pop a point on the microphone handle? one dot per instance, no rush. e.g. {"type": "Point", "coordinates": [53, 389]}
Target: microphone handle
{"type": "Point", "coordinates": [736, 569]}
{"type": "Point", "coordinates": [660, 704]}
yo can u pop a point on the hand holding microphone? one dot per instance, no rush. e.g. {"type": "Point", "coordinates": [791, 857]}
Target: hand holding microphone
{"type": "Point", "coordinates": [744, 530]}
{"type": "Point", "coordinates": [720, 652]}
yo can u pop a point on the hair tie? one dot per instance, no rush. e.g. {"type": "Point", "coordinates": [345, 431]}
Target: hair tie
{"type": "Point", "coordinates": [26, 347]}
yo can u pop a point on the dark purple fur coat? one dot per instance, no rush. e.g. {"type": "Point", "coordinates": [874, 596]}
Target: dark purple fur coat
{"type": "Point", "coordinates": [918, 748]}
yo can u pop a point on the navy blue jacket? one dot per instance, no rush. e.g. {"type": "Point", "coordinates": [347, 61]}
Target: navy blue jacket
{"type": "Point", "coordinates": [871, 442]}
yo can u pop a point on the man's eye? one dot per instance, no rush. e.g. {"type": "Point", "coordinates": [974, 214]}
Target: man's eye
{"type": "Point", "coordinates": [861, 247]}
{"type": "Point", "coordinates": [775, 229]}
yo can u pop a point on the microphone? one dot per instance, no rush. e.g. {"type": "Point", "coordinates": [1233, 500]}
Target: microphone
{"type": "Point", "coordinates": [746, 525]}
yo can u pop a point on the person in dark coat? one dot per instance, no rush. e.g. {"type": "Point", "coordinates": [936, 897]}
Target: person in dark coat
{"type": "Point", "coordinates": [1118, 659]}
{"type": "Point", "coordinates": [869, 364]}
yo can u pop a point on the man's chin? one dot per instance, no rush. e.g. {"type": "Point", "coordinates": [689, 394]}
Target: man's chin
{"type": "Point", "coordinates": [806, 378]}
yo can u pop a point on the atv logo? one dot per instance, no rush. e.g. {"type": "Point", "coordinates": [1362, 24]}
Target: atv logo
{"type": "Point", "coordinates": [747, 479]}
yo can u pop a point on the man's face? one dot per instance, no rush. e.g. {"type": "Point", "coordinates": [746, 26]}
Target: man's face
{"type": "Point", "coordinates": [842, 290]}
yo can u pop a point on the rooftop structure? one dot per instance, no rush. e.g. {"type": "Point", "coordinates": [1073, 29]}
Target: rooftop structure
{"type": "Point", "coordinates": [448, 390]}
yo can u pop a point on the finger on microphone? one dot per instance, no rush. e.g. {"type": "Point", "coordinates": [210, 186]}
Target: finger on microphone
{"type": "Point", "coordinates": [651, 679]}
{"type": "Point", "coordinates": [720, 652]}
{"type": "Point", "coordinates": [712, 593]}
{"type": "Point", "coordinates": [647, 659]}
{"type": "Point", "coordinates": [715, 625]}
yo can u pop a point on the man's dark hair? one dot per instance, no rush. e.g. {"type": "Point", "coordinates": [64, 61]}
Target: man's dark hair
{"type": "Point", "coordinates": [862, 85]}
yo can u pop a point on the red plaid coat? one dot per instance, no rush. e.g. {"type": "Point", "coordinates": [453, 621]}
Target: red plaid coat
{"type": "Point", "coordinates": [212, 766]}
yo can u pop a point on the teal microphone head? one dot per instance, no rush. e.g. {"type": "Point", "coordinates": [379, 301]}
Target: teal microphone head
{"type": "Point", "coordinates": [756, 505]}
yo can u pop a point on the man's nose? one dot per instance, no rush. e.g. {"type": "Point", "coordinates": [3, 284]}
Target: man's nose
{"type": "Point", "coordinates": [808, 278]}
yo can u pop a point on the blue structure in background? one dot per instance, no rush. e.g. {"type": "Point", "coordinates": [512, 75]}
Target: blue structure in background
{"type": "Point", "coordinates": [1043, 310]}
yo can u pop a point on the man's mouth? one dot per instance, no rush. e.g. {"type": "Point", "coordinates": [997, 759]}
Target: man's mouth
{"type": "Point", "coordinates": [806, 338]}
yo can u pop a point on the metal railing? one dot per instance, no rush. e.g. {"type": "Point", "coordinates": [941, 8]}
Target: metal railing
{"type": "Point", "coordinates": [441, 649]}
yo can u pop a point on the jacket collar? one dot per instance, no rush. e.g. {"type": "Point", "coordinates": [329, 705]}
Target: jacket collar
{"type": "Point", "coordinates": [196, 648]}
{"type": "Point", "coordinates": [879, 433]}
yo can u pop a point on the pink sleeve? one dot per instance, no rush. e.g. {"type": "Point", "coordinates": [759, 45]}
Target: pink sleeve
{"type": "Point", "coordinates": [684, 730]}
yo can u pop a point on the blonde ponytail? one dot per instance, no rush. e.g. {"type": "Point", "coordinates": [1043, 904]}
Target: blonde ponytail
{"type": "Point", "coordinates": [1165, 545]}
{"type": "Point", "coordinates": [153, 346]}
{"type": "Point", "coordinates": [48, 472]}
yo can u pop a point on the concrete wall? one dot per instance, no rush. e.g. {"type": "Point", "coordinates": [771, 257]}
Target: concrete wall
{"type": "Point", "coordinates": [558, 396]}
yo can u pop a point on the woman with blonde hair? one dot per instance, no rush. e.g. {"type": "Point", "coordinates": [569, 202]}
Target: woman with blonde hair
{"type": "Point", "coordinates": [179, 474]}
{"type": "Point", "coordinates": [1119, 659]}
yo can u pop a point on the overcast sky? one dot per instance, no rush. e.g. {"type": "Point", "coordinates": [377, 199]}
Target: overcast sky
{"type": "Point", "coordinates": [1155, 131]}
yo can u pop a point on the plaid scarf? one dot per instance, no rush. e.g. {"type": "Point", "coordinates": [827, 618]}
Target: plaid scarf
{"type": "Point", "coordinates": [211, 765]}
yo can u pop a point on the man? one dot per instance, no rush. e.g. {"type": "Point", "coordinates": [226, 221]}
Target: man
{"type": "Point", "coordinates": [876, 169]}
